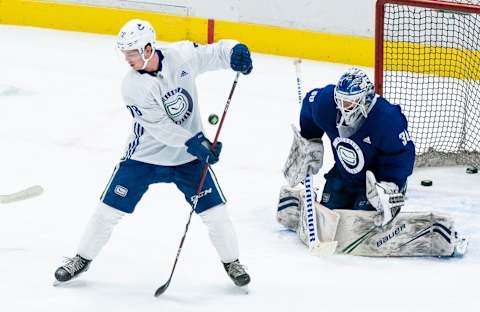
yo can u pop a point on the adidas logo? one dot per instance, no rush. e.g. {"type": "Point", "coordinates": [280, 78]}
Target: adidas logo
{"type": "Point", "coordinates": [367, 140]}
{"type": "Point", "coordinates": [183, 74]}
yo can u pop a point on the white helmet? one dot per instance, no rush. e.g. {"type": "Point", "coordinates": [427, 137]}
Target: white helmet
{"type": "Point", "coordinates": [136, 35]}
{"type": "Point", "coordinates": [353, 87]}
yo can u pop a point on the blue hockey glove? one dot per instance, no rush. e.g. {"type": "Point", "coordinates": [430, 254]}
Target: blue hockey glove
{"type": "Point", "coordinates": [240, 59]}
{"type": "Point", "coordinates": [201, 147]}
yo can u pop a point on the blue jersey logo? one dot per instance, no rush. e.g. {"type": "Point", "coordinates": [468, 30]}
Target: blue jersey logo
{"type": "Point", "coordinates": [178, 105]}
{"type": "Point", "coordinates": [350, 155]}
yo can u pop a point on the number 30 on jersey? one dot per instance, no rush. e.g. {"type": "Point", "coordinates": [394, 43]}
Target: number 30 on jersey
{"type": "Point", "coordinates": [405, 137]}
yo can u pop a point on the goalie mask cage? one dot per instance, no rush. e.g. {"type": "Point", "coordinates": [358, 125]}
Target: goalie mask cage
{"type": "Point", "coordinates": [427, 60]}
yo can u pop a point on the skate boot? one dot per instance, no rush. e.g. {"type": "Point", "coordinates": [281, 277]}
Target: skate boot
{"type": "Point", "coordinates": [237, 273]}
{"type": "Point", "coordinates": [71, 269]}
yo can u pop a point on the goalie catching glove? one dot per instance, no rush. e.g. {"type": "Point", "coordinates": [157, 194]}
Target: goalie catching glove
{"type": "Point", "coordinates": [305, 157]}
{"type": "Point", "coordinates": [385, 197]}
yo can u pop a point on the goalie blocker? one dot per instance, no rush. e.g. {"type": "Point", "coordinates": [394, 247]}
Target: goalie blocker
{"type": "Point", "coordinates": [410, 234]}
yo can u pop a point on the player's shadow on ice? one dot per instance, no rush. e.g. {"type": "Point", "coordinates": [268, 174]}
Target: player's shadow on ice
{"type": "Point", "coordinates": [74, 284]}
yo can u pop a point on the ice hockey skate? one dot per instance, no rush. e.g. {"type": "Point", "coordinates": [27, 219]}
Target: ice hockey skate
{"type": "Point", "coordinates": [237, 273]}
{"type": "Point", "coordinates": [72, 268]}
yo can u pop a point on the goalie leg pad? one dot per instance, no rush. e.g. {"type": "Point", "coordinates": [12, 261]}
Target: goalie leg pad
{"type": "Point", "coordinates": [288, 209]}
{"type": "Point", "coordinates": [292, 214]}
{"type": "Point", "coordinates": [327, 222]}
{"type": "Point", "coordinates": [411, 234]}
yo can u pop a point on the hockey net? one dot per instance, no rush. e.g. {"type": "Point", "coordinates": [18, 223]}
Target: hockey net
{"type": "Point", "coordinates": [427, 60]}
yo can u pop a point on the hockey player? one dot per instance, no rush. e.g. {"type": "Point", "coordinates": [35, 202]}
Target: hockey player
{"type": "Point", "coordinates": [359, 210]}
{"type": "Point", "coordinates": [369, 140]}
{"type": "Point", "coordinates": [167, 144]}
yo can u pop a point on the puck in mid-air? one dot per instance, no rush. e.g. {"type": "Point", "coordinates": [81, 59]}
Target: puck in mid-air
{"type": "Point", "coordinates": [213, 119]}
{"type": "Point", "coordinates": [472, 170]}
{"type": "Point", "coordinates": [426, 183]}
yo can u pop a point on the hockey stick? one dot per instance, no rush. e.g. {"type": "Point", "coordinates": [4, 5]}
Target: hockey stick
{"type": "Point", "coordinates": [29, 192]}
{"type": "Point", "coordinates": [164, 287]}
{"type": "Point", "coordinates": [313, 242]}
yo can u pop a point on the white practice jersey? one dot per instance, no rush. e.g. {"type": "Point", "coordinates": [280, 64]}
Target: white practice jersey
{"type": "Point", "coordinates": [164, 104]}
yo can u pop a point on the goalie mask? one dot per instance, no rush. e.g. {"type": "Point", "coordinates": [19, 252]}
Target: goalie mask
{"type": "Point", "coordinates": [353, 95]}
{"type": "Point", "coordinates": [135, 36]}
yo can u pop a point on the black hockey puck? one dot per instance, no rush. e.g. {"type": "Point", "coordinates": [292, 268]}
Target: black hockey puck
{"type": "Point", "coordinates": [426, 183]}
{"type": "Point", "coordinates": [472, 170]}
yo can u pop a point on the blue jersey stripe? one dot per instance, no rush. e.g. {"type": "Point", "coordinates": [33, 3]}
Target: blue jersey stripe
{"type": "Point", "coordinates": [132, 146]}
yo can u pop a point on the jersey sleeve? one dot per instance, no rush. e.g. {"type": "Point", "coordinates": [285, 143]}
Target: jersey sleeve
{"type": "Point", "coordinates": [154, 119]}
{"type": "Point", "coordinates": [396, 156]}
{"type": "Point", "coordinates": [308, 127]}
{"type": "Point", "coordinates": [213, 56]}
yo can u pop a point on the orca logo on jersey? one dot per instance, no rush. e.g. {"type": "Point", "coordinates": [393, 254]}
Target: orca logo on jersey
{"type": "Point", "coordinates": [178, 105]}
{"type": "Point", "coordinates": [350, 155]}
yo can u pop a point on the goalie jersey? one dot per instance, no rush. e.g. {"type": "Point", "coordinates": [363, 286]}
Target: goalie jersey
{"type": "Point", "coordinates": [164, 104]}
{"type": "Point", "coordinates": [381, 144]}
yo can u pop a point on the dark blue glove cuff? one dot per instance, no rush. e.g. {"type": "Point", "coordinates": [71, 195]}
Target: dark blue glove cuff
{"type": "Point", "coordinates": [240, 59]}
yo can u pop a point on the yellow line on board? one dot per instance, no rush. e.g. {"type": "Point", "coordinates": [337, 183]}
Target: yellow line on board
{"type": "Point", "coordinates": [100, 20]}
{"type": "Point", "coordinates": [429, 60]}
{"type": "Point", "coordinates": [260, 38]}
{"type": "Point", "coordinates": [300, 43]}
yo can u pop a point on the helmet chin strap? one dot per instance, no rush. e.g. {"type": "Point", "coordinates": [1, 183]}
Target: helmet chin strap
{"type": "Point", "coordinates": [145, 61]}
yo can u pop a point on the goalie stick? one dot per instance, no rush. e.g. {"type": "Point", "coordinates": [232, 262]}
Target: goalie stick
{"type": "Point", "coordinates": [309, 206]}
{"type": "Point", "coordinates": [27, 193]}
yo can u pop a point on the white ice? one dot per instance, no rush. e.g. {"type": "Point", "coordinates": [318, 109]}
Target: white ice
{"type": "Point", "coordinates": [63, 125]}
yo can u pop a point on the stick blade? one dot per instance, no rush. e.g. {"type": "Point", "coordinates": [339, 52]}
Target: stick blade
{"type": "Point", "coordinates": [160, 290]}
{"type": "Point", "coordinates": [21, 195]}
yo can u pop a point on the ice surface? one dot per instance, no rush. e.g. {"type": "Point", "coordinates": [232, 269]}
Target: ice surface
{"type": "Point", "coordinates": [63, 125]}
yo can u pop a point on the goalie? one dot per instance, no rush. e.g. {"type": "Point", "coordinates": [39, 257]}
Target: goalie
{"type": "Point", "coordinates": [359, 208]}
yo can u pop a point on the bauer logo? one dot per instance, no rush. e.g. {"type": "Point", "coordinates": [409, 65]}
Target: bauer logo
{"type": "Point", "coordinates": [121, 190]}
{"type": "Point", "coordinates": [350, 155]}
{"type": "Point", "coordinates": [391, 235]}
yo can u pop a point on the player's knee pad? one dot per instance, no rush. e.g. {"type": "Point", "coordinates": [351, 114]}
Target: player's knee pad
{"type": "Point", "coordinates": [108, 213]}
{"type": "Point", "coordinates": [215, 214]}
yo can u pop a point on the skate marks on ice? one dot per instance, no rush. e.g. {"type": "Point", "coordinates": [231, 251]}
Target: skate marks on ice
{"type": "Point", "coordinates": [9, 90]}
{"type": "Point", "coordinates": [5, 250]}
